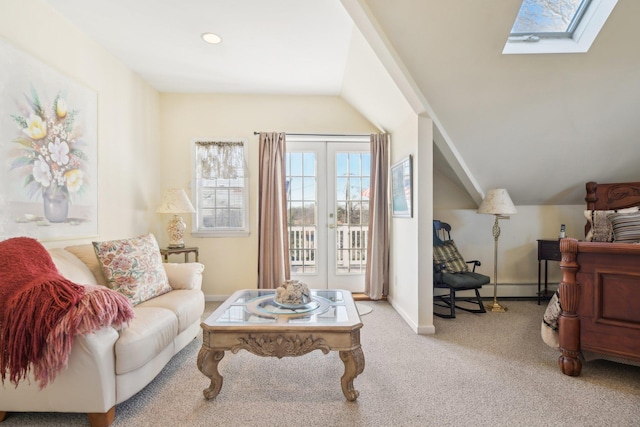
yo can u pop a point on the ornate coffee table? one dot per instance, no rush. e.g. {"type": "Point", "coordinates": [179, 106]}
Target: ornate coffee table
{"type": "Point", "coordinates": [251, 320]}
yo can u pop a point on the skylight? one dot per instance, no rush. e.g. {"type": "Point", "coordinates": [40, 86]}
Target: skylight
{"type": "Point", "coordinates": [544, 18]}
{"type": "Point", "coordinates": [557, 26]}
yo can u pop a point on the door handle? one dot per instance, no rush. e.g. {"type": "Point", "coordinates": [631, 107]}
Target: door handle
{"type": "Point", "coordinates": [332, 226]}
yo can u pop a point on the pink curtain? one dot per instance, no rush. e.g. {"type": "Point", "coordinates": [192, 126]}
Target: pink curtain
{"type": "Point", "coordinates": [273, 241]}
{"type": "Point", "coordinates": [377, 271]}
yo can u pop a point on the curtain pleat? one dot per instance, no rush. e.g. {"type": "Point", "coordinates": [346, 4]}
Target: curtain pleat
{"type": "Point", "coordinates": [377, 269]}
{"type": "Point", "coordinates": [273, 242]}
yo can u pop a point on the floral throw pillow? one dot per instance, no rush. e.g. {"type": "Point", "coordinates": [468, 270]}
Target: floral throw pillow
{"type": "Point", "coordinates": [133, 267]}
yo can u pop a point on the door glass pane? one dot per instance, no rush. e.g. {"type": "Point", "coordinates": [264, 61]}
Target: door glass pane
{"type": "Point", "coordinates": [301, 182]}
{"type": "Point", "coordinates": [352, 222]}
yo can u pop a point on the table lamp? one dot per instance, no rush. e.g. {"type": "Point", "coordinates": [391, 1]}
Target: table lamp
{"type": "Point", "coordinates": [175, 201]}
{"type": "Point", "coordinates": [497, 202]}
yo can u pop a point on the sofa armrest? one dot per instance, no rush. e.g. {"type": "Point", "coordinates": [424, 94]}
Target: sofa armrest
{"type": "Point", "coordinates": [88, 384]}
{"type": "Point", "coordinates": [184, 275]}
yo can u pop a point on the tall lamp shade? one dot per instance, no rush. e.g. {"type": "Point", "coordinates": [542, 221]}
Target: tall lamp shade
{"type": "Point", "coordinates": [498, 203]}
{"type": "Point", "coordinates": [175, 201]}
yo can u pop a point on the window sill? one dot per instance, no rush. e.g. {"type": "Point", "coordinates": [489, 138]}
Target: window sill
{"type": "Point", "coordinates": [221, 233]}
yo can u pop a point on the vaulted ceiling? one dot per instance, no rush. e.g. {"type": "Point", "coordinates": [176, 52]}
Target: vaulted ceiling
{"type": "Point", "coordinates": [541, 125]}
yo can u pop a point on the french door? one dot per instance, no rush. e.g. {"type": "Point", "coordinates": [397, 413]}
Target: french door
{"type": "Point", "coordinates": [328, 212]}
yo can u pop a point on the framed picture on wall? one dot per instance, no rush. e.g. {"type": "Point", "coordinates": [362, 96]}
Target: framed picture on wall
{"type": "Point", "coordinates": [48, 151]}
{"type": "Point", "coordinates": [402, 189]}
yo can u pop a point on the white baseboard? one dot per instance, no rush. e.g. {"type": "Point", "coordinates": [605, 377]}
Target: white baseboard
{"type": "Point", "coordinates": [515, 290]}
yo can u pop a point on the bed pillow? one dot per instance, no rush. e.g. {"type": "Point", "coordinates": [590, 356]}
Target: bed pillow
{"type": "Point", "coordinates": [133, 267]}
{"type": "Point", "coordinates": [626, 227]}
{"type": "Point", "coordinates": [601, 230]}
{"type": "Point", "coordinates": [448, 254]}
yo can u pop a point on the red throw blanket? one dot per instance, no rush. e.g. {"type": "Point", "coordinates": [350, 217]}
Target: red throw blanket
{"type": "Point", "coordinates": [41, 311]}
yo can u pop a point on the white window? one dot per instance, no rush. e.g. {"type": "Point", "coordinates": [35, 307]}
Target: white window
{"type": "Point", "coordinates": [220, 188]}
{"type": "Point", "coordinates": [557, 26]}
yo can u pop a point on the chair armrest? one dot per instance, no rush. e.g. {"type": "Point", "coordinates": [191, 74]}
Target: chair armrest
{"type": "Point", "coordinates": [438, 269]}
{"type": "Point", "coordinates": [186, 275]}
{"type": "Point", "coordinates": [475, 263]}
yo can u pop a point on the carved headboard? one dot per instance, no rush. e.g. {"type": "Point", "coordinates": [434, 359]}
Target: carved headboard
{"type": "Point", "coordinates": [612, 196]}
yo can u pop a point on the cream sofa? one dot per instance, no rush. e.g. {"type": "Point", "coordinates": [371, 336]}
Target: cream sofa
{"type": "Point", "coordinates": [109, 366]}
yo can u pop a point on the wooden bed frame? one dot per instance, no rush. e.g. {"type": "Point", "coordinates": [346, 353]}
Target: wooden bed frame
{"type": "Point", "coordinates": [600, 288]}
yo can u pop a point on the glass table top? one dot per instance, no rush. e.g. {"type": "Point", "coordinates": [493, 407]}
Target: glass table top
{"type": "Point", "coordinates": [252, 307]}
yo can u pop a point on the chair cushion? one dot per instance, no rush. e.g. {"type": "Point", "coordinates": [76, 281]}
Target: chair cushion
{"type": "Point", "coordinates": [448, 254]}
{"type": "Point", "coordinates": [460, 281]}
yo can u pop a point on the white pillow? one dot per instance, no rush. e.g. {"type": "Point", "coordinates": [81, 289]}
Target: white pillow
{"type": "Point", "coordinates": [184, 275]}
{"type": "Point", "coordinates": [601, 229]}
{"type": "Point", "coordinates": [626, 227]}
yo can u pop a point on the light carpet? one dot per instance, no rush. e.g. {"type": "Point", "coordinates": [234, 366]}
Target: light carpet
{"type": "Point", "coordinates": [363, 308]}
{"type": "Point", "coordinates": [478, 370]}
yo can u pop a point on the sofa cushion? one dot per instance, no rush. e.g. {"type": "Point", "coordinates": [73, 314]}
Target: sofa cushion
{"type": "Point", "coordinates": [184, 275]}
{"type": "Point", "coordinates": [153, 329]}
{"type": "Point", "coordinates": [133, 267]}
{"type": "Point", "coordinates": [71, 267]}
{"type": "Point", "coordinates": [187, 305]}
{"type": "Point", "coordinates": [87, 255]}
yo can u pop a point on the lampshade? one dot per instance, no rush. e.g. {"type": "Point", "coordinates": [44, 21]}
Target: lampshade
{"type": "Point", "coordinates": [175, 201]}
{"type": "Point", "coordinates": [497, 202]}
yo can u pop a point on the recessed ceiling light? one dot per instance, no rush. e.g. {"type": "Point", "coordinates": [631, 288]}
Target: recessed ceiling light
{"type": "Point", "coordinates": [211, 38]}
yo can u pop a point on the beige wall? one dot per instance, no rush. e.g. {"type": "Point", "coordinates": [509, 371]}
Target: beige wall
{"type": "Point", "coordinates": [128, 111]}
{"type": "Point", "coordinates": [231, 263]}
{"type": "Point", "coordinates": [517, 244]}
{"type": "Point", "coordinates": [411, 290]}
{"type": "Point", "coordinates": [370, 87]}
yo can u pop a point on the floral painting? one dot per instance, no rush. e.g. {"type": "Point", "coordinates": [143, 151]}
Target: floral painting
{"type": "Point", "coordinates": [48, 142]}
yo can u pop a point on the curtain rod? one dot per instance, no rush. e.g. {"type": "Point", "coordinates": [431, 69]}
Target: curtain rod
{"type": "Point", "coordinates": [321, 134]}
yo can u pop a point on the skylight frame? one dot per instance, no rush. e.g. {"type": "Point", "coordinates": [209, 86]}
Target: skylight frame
{"type": "Point", "coordinates": [585, 32]}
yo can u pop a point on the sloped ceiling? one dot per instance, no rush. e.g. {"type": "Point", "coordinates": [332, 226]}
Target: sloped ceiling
{"type": "Point", "coordinates": [539, 125]}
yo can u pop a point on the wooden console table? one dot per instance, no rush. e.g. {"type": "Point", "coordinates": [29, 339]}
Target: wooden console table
{"type": "Point", "coordinates": [548, 250]}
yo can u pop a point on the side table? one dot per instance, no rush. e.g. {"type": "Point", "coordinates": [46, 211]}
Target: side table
{"type": "Point", "coordinates": [548, 250]}
{"type": "Point", "coordinates": [165, 252]}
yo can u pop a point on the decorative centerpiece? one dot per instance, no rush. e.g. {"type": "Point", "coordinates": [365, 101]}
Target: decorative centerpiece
{"type": "Point", "coordinates": [292, 293]}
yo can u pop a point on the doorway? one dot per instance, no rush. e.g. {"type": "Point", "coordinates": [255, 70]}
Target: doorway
{"type": "Point", "coordinates": [328, 212]}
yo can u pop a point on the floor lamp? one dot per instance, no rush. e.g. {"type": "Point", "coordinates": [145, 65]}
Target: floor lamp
{"type": "Point", "coordinates": [498, 203]}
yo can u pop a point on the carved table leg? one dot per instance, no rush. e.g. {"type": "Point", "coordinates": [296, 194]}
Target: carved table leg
{"type": "Point", "coordinates": [353, 366]}
{"type": "Point", "coordinates": [208, 364]}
